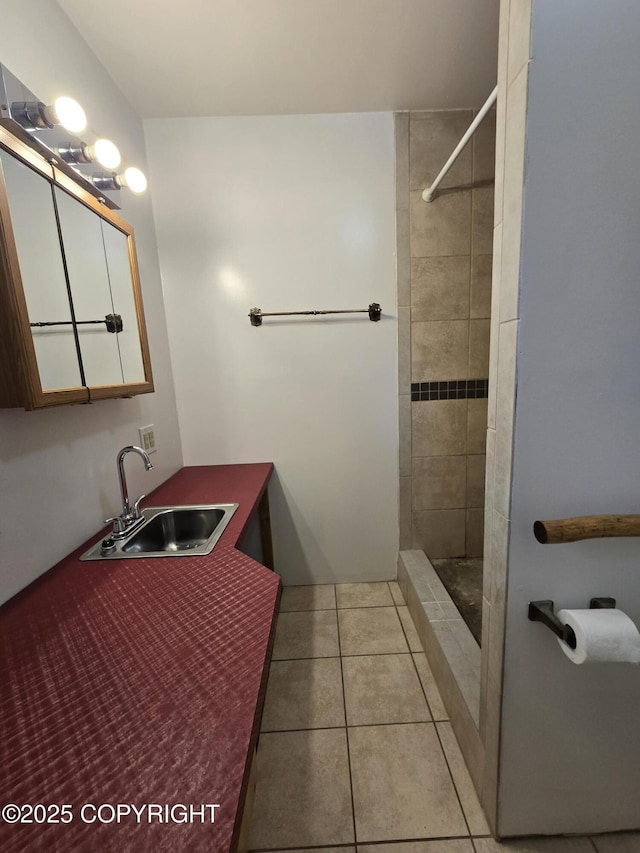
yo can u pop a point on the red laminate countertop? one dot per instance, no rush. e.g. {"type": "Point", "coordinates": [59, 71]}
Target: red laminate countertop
{"type": "Point", "coordinates": [138, 682]}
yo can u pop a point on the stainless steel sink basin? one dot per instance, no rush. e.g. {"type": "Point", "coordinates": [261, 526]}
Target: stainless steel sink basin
{"type": "Point", "coordinates": [168, 531]}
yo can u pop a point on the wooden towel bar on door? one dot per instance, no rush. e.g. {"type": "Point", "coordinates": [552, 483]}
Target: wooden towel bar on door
{"type": "Point", "coordinates": [586, 527]}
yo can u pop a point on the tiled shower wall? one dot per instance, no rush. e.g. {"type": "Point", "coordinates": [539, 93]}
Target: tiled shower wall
{"type": "Point", "coordinates": [444, 300]}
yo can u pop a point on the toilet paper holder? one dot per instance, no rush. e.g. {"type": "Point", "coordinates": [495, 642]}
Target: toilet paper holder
{"type": "Point", "coordinates": [542, 611]}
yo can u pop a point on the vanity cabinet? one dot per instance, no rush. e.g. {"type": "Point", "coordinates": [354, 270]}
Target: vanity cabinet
{"type": "Point", "coordinates": [72, 314]}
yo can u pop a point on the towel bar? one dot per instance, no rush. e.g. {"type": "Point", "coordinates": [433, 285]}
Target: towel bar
{"type": "Point", "coordinates": [255, 314]}
{"type": "Point", "coordinates": [586, 527]}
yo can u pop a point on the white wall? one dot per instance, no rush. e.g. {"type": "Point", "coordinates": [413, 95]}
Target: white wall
{"type": "Point", "coordinates": [57, 467]}
{"type": "Point", "coordinates": [287, 213]}
{"type": "Point", "coordinates": [570, 733]}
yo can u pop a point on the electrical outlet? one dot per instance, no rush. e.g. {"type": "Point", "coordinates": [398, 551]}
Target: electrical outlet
{"type": "Point", "coordinates": [147, 438]}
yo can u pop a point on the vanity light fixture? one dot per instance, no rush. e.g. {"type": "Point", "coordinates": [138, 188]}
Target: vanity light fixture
{"type": "Point", "coordinates": [34, 115]}
{"type": "Point", "coordinates": [57, 129]}
{"type": "Point", "coordinates": [132, 178]}
{"type": "Point", "coordinates": [103, 151]}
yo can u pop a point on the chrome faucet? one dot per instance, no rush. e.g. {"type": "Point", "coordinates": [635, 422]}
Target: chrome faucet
{"type": "Point", "coordinates": [131, 516]}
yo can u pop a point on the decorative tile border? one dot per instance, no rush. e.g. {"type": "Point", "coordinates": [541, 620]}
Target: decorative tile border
{"type": "Point", "coordinates": [453, 389]}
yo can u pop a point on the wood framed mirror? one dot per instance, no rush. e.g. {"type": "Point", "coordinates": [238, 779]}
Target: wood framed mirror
{"type": "Point", "coordinates": [74, 328]}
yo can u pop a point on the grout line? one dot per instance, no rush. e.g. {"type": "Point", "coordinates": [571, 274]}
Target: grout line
{"type": "Point", "coordinates": [455, 787]}
{"type": "Point", "coordinates": [359, 655]}
{"type": "Point", "coordinates": [440, 719]}
{"type": "Point", "coordinates": [353, 607]}
{"type": "Point", "coordinates": [344, 703]}
{"type": "Point", "coordinates": [407, 723]}
{"type": "Point", "coordinates": [430, 838]}
{"type": "Point", "coordinates": [413, 660]}
{"type": "Point", "coordinates": [307, 610]}
{"type": "Point", "coordinates": [309, 729]}
{"type": "Point", "coordinates": [424, 692]}
{"type": "Point", "coordinates": [350, 844]}
{"type": "Point", "coordinates": [354, 726]}
{"type": "Point", "coordinates": [283, 660]}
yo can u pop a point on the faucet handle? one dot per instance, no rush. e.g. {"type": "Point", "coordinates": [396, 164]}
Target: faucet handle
{"type": "Point", "coordinates": [118, 523]}
{"type": "Point", "coordinates": [136, 507]}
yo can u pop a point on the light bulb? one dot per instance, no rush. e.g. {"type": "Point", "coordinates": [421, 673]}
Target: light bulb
{"type": "Point", "coordinates": [69, 114]}
{"type": "Point", "coordinates": [105, 152]}
{"type": "Point", "coordinates": [34, 115]}
{"type": "Point", "coordinates": [134, 179]}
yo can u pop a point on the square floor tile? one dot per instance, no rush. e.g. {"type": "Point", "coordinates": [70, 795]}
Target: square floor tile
{"type": "Point", "coordinates": [436, 705]}
{"type": "Point", "coordinates": [383, 689]}
{"type": "Point", "coordinates": [410, 629]}
{"type": "Point", "coordinates": [396, 593]}
{"type": "Point", "coordinates": [462, 780]}
{"type": "Point", "coordinates": [401, 784]}
{"type": "Point", "coordinates": [302, 795]}
{"type": "Point", "coordinates": [371, 631]}
{"type": "Point", "coordinates": [317, 597]}
{"type": "Point", "coordinates": [308, 634]}
{"type": "Point", "coordinates": [455, 845]}
{"type": "Point", "coordinates": [363, 595]}
{"type": "Point", "coordinates": [304, 694]}
{"type": "Point", "coordinates": [552, 844]}
{"type": "Point", "coordinates": [619, 842]}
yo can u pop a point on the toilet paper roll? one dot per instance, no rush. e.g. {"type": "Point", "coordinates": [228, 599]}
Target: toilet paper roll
{"type": "Point", "coordinates": [602, 634]}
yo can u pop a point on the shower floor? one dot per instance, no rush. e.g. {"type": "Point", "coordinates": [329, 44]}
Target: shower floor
{"type": "Point", "coordinates": [462, 578]}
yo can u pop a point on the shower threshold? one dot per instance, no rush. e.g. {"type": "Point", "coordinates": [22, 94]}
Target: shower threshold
{"type": "Point", "coordinates": [462, 578]}
{"type": "Point", "coordinates": [452, 650]}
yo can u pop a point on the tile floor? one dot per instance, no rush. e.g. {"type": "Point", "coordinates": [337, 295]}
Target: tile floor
{"type": "Point", "coordinates": [356, 751]}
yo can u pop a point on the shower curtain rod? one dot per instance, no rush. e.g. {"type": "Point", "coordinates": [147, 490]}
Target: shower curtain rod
{"type": "Point", "coordinates": [428, 194]}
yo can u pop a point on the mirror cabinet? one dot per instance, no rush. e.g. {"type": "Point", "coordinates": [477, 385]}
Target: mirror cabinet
{"type": "Point", "coordinates": [70, 300]}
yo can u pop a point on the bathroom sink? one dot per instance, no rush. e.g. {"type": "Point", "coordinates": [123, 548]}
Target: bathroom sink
{"type": "Point", "coordinates": [168, 531]}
